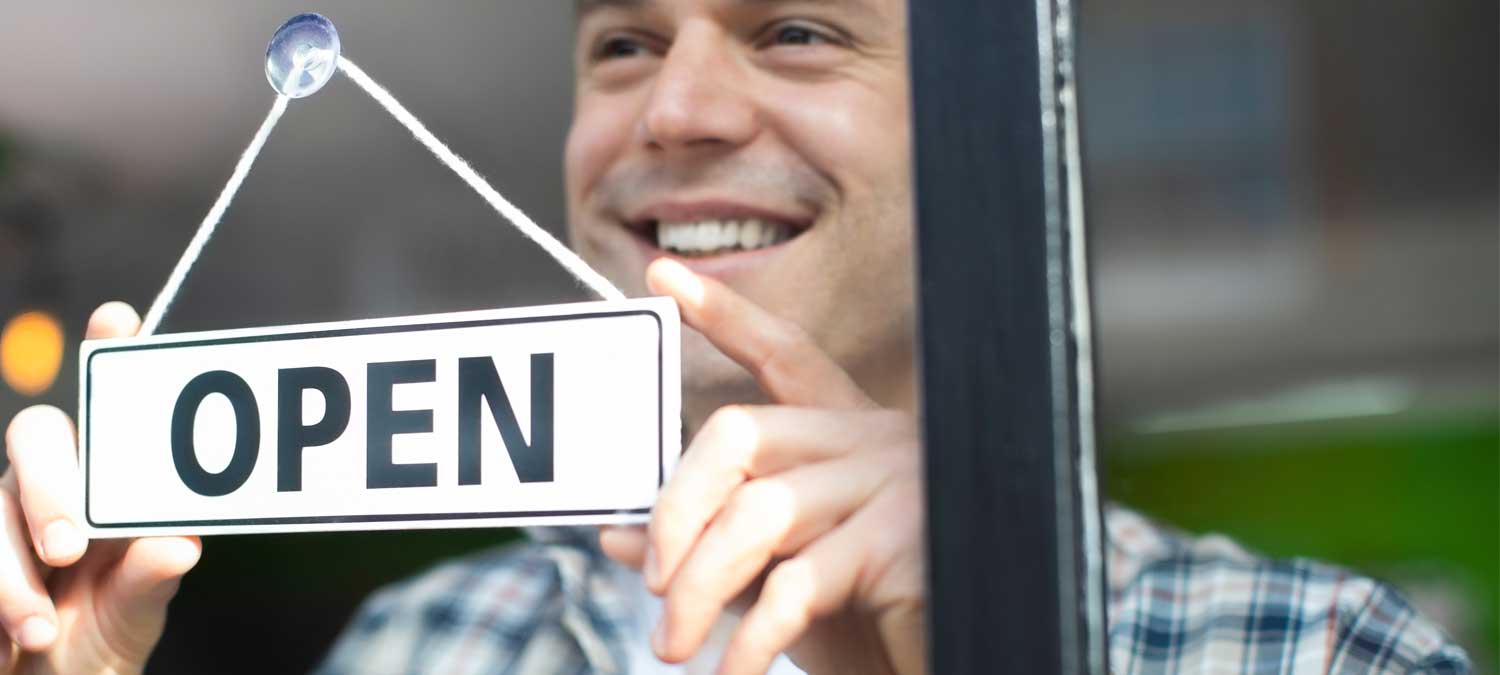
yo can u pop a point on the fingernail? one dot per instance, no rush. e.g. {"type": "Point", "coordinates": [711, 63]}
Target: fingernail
{"type": "Point", "coordinates": [61, 540]}
{"type": "Point", "coordinates": [649, 568]}
{"type": "Point", "coordinates": [36, 633]}
{"type": "Point", "coordinates": [659, 637]}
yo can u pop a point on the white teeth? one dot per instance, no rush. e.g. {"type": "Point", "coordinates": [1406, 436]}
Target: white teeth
{"type": "Point", "coordinates": [711, 236]}
{"type": "Point", "coordinates": [750, 234]}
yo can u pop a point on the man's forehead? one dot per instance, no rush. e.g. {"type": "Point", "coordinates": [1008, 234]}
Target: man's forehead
{"type": "Point", "coordinates": [583, 7]}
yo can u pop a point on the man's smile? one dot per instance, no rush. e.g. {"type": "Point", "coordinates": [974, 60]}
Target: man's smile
{"type": "Point", "coordinates": [720, 228]}
{"type": "Point", "coordinates": [715, 237]}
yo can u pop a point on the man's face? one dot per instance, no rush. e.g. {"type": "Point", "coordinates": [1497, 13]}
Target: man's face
{"type": "Point", "coordinates": [761, 142]}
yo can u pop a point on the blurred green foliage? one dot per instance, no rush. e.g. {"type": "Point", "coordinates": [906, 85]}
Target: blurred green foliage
{"type": "Point", "coordinates": [1396, 498]}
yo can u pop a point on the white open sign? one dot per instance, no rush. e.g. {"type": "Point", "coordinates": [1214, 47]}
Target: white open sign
{"type": "Point", "coordinates": [565, 414]}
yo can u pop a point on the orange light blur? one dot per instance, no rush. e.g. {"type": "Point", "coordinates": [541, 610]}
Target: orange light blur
{"type": "Point", "coordinates": [31, 349]}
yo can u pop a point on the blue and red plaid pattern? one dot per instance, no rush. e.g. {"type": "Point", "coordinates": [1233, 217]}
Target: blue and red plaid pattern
{"type": "Point", "coordinates": [1177, 605]}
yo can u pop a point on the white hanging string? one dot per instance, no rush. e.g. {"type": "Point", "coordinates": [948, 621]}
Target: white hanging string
{"type": "Point", "coordinates": [211, 221]}
{"type": "Point", "coordinates": [564, 256]}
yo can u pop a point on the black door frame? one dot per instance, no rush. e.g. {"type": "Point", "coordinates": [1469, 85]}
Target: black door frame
{"type": "Point", "coordinates": [1014, 527]}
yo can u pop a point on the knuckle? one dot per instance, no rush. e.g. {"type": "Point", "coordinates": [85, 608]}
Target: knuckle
{"type": "Point", "coordinates": [781, 581]}
{"type": "Point", "coordinates": [787, 593]}
{"type": "Point", "coordinates": [789, 336]}
{"type": "Point", "coordinates": [717, 417]}
{"type": "Point", "coordinates": [761, 505]}
{"type": "Point", "coordinates": [781, 359]}
{"type": "Point", "coordinates": [782, 344]}
{"type": "Point", "coordinates": [730, 421]}
{"type": "Point", "coordinates": [693, 589]}
{"type": "Point", "coordinates": [736, 521]}
{"type": "Point", "coordinates": [901, 515]}
{"type": "Point", "coordinates": [734, 427]}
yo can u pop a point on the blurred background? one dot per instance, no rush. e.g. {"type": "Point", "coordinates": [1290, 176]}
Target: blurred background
{"type": "Point", "coordinates": [1293, 211]}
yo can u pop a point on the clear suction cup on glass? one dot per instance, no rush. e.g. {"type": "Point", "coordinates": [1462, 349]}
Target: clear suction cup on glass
{"type": "Point", "coordinates": [303, 55]}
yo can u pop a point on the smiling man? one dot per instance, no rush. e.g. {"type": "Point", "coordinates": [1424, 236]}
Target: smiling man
{"type": "Point", "coordinates": [749, 158]}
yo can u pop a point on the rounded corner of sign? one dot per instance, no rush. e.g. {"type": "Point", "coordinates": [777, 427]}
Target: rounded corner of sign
{"type": "Point", "coordinates": [95, 529]}
{"type": "Point", "coordinates": [664, 312]}
{"type": "Point", "coordinates": [90, 349]}
{"type": "Point", "coordinates": [87, 350]}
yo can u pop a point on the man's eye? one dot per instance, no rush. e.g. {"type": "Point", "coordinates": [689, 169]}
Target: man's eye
{"type": "Point", "coordinates": [618, 48]}
{"type": "Point", "coordinates": [798, 35]}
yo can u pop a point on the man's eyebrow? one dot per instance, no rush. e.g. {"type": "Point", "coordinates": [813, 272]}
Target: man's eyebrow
{"type": "Point", "coordinates": [582, 8]}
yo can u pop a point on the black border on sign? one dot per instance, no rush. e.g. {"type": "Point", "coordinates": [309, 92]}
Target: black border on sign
{"type": "Point", "coordinates": [374, 330]}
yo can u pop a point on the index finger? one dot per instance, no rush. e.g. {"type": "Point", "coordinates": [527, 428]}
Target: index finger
{"type": "Point", "coordinates": [39, 443]}
{"type": "Point", "coordinates": [43, 458]}
{"type": "Point", "coordinates": [789, 366]}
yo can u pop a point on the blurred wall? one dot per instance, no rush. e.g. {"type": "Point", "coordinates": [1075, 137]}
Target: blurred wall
{"type": "Point", "coordinates": [1287, 192]}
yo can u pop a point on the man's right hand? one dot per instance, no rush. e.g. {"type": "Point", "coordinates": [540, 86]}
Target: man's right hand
{"type": "Point", "coordinates": [69, 605]}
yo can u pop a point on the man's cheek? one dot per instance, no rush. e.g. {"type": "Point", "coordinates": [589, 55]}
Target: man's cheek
{"type": "Point", "coordinates": [593, 142]}
{"type": "Point", "coordinates": [608, 252]}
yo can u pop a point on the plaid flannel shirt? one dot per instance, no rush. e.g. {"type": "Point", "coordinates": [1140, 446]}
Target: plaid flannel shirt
{"type": "Point", "coordinates": [1177, 605]}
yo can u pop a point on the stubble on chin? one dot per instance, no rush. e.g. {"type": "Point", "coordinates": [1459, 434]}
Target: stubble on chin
{"type": "Point", "coordinates": [710, 380]}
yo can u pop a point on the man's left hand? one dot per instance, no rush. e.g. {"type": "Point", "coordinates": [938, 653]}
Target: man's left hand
{"type": "Point", "coordinates": [809, 511]}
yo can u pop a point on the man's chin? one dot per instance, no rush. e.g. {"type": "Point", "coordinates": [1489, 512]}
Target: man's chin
{"type": "Point", "coordinates": [710, 380]}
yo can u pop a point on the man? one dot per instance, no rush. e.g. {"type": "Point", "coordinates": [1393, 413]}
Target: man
{"type": "Point", "coordinates": [757, 152]}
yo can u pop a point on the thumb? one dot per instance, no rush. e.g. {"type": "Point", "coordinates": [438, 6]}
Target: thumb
{"type": "Point", "coordinates": [134, 593]}
{"type": "Point", "coordinates": [113, 319]}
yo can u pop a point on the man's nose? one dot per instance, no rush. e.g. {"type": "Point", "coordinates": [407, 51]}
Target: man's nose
{"type": "Point", "coordinates": [699, 98]}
